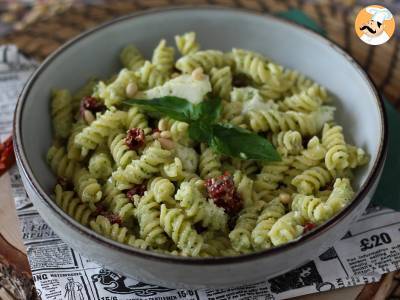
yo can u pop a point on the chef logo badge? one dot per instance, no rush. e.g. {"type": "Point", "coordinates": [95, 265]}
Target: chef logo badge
{"type": "Point", "coordinates": [374, 25]}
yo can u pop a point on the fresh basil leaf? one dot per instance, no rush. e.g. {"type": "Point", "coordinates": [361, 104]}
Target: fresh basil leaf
{"type": "Point", "coordinates": [200, 131]}
{"type": "Point", "coordinates": [238, 142]}
{"type": "Point", "coordinates": [180, 109]}
{"type": "Point", "coordinates": [226, 139]}
{"type": "Point", "coordinates": [174, 107]}
{"type": "Point", "coordinates": [208, 111]}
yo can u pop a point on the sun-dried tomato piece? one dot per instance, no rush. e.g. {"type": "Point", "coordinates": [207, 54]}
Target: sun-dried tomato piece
{"type": "Point", "coordinates": [65, 184]}
{"type": "Point", "coordinates": [222, 191]}
{"type": "Point", "coordinates": [7, 157]}
{"type": "Point", "coordinates": [102, 211]}
{"type": "Point", "coordinates": [138, 189]}
{"type": "Point", "coordinates": [134, 138]}
{"type": "Point", "coordinates": [241, 80]}
{"type": "Point", "coordinates": [92, 104]}
{"type": "Point", "coordinates": [113, 218]}
{"type": "Point", "coordinates": [309, 226]}
{"type": "Point", "coordinates": [221, 186]}
{"type": "Point", "coordinates": [231, 205]}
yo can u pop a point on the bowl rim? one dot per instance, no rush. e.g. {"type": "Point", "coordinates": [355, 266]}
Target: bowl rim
{"type": "Point", "coordinates": [365, 188]}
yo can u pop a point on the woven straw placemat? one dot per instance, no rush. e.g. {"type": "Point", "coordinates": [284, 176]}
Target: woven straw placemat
{"type": "Point", "coordinates": [42, 37]}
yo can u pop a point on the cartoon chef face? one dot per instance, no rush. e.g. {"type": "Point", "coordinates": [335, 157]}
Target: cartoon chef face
{"type": "Point", "coordinates": [372, 28]}
{"type": "Point", "coordinates": [373, 31]}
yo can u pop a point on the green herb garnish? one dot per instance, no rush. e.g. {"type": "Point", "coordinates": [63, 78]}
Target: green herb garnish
{"type": "Point", "coordinates": [238, 142]}
{"type": "Point", "coordinates": [203, 127]}
{"type": "Point", "coordinates": [174, 107]}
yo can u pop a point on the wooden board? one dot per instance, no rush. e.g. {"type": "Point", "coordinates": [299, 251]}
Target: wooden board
{"type": "Point", "coordinates": [15, 274]}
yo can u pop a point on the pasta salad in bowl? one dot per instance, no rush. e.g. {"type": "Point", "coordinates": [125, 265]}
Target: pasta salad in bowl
{"type": "Point", "coordinates": [198, 157]}
{"type": "Point", "coordinates": [152, 182]}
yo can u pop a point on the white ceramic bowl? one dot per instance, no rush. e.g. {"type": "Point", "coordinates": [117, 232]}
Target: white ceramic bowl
{"type": "Point", "coordinates": [360, 110]}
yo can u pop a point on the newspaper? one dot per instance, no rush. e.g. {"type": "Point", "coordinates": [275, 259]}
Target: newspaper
{"type": "Point", "coordinates": [369, 249]}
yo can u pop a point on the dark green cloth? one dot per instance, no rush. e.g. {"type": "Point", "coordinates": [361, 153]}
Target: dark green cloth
{"type": "Point", "coordinates": [388, 191]}
{"type": "Point", "coordinates": [301, 18]}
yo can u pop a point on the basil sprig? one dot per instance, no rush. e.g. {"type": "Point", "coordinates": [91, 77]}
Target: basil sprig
{"type": "Point", "coordinates": [203, 127]}
{"type": "Point", "coordinates": [174, 107]}
{"type": "Point", "coordinates": [238, 142]}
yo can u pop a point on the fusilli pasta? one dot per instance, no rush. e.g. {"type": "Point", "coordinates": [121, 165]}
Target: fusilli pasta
{"type": "Point", "coordinates": [138, 176]}
{"type": "Point", "coordinates": [187, 43]}
{"type": "Point", "coordinates": [180, 230]}
{"type": "Point", "coordinates": [61, 113]}
{"type": "Point", "coordinates": [131, 58]}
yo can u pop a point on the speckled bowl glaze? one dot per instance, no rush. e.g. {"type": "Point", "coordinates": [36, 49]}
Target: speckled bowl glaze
{"type": "Point", "coordinates": [360, 111]}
